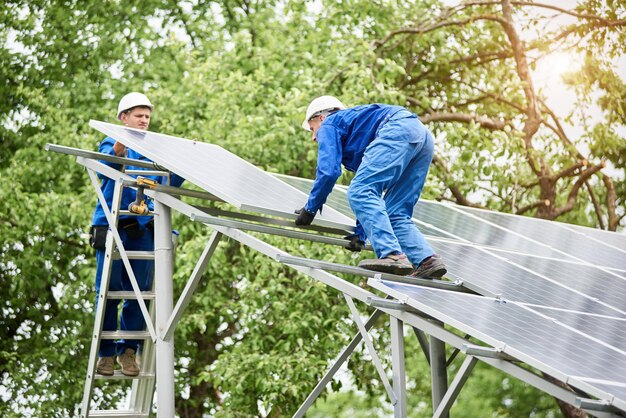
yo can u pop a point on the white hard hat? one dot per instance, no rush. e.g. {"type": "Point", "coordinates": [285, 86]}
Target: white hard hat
{"type": "Point", "coordinates": [131, 100]}
{"type": "Point", "coordinates": [320, 104]}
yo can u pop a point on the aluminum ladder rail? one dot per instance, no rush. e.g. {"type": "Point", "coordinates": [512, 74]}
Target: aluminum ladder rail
{"type": "Point", "coordinates": [142, 391]}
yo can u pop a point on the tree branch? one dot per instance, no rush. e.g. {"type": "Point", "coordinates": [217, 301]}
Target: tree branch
{"type": "Point", "coordinates": [541, 5]}
{"type": "Point", "coordinates": [449, 181]}
{"type": "Point", "coordinates": [558, 130]}
{"type": "Point", "coordinates": [569, 171]}
{"type": "Point", "coordinates": [611, 198]}
{"type": "Point", "coordinates": [596, 204]}
{"type": "Point", "coordinates": [483, 121]}
{"type": "Point", "coordinates": [571, 197]}
{"type": "Point", "coordinates": [438, 25]}
{"type": "Point", "coordinates": [532, 206]}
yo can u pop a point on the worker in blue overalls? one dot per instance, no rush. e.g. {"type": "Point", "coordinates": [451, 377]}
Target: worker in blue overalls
{"type": "Point", "coordinates": [390, 150]}
{"type": "Point", "coordinates": [137, 234]}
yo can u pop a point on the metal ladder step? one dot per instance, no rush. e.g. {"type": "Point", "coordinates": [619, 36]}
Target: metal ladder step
{"type": "Point", "coordinates": [128, 294]}
{"type": "Point", "coordinates": [129, 213]}
{"type": "Point", "coordinates": [117, 375]}
{"type": "Point", "coordinates": [135, 255]}
{"type": "Point", "coordinates": [118, 414]}
{"type": "Point", "coordinates": [130, 335]}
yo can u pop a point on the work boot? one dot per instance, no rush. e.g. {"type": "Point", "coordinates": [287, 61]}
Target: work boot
{"type": "Point", "coordinates": [105, 366]}
{"type": "Point", "coordinates": [432, 267]}
{"type": "Point", "coordinates": [393, 264]}
{"type": "Point", "coordinates": [128, 363]}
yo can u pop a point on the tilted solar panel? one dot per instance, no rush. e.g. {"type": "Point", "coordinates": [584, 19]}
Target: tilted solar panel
{"type": "Point", "coordinates": [489, 271]}
{"type": "Point", "coordinates": [617, 240]}
{"type": "Point", "coordinates": [608, 329]}
{"type": "Point", "coordinates": [472, 229]}
{"type": "Point", "coordinates": [557, 236]}
{"type": "Point", "coordinates": [221, 173]}
{"type": "Point", "coordinates": [540, 341]}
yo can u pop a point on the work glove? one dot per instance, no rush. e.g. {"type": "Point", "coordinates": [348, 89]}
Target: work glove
{"type": "Point", "coordinates": [355, 243]}
{"type": "Point", "coordinates": [304, 217]}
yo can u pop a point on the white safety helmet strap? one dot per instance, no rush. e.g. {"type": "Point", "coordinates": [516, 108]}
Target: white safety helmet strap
{"type": "Point", "coordinates": [131, 100]}
{"type": "Point", "coordinates": [321, 104]}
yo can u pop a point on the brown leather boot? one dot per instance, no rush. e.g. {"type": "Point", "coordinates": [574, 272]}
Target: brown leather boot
{"type": "Point", "coordinates": [128, 363]}
{"type": "Point", "coordinates": [105, 366]}
{"type": "Point", "coordinates": [393, 264]}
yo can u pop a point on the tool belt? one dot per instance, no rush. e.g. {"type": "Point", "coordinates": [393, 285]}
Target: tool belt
{"type": "Point", "coordinates": [98, 234]}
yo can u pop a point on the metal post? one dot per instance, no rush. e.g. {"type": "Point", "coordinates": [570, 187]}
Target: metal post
{"type": "Point", "coordinates": [163, 268]}
{"type": "Point", "coordinates": [438, 371]}
{"type": "Point", "coordinates": [397, 359]}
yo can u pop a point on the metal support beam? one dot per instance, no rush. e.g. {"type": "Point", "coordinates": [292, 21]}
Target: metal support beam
{"type": "Point", "coordinates": [341, 358]}
{"type": "Point", "coordinates": [164, 300]}
{"type": "Point", "coordinates": [256, 244]}
{"type": "Point", "coordinates": [92, 155]}
{"type": "Point", "coordinates": [390, 304]}
{"type": "Point", "coordinates": [215, 212]}
{"type": "Point", "coordinates": [479, 351]}
{"type": "Point", "coordinates": [191, 285]}
{"type": "Point", "coordinates": [358, 271]}
{"type": "Point", "coordinates": [176, 191]}
{"type": "Point", "coordinates": [370, 349]}
{"type": "Point", "coordinates": [594, 405]}
{"type": "Point", "coordinates": [455, 388]}
{"type": "Point", "coordinates": [397, 360]}
{"type": "Point", "coordinates": [289, 233]}
{"type": "Point", "coordinates": [438, 372]}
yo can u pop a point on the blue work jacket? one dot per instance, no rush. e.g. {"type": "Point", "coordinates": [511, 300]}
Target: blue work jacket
{"type": "Point", "coordinates": [128, 195]}
{"type": "Point", "coordinates": [342, 139]}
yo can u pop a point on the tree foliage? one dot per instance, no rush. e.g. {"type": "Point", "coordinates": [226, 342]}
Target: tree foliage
{"type": "Point", "coordinates": [239, 73]}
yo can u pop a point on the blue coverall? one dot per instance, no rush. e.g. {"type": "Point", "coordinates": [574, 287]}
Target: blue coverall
{"type": "Point", "coordinates": [391, 151]}
{"type": "Point", "coordinates": [132, 318]}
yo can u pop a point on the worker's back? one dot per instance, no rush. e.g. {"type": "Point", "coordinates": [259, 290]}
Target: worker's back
{"type": "Point", "coordinates": [357, 127]}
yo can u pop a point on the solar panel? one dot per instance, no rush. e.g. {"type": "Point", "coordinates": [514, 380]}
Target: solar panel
{"type": "Point", "coordinates": [475, 230]}
{"type": "Point", "coordinates": [617, 240]}
{"type": "Point", "coordinates": [523, 333]}
{"type": "Point", "coordinates": [587, 279]}
{"type": "Point", "coordinates": [556, 236]}
{"type": "Point", "coordinates": [608, 329]}
{"type": "Point", "coordinates": [499, 276]}
{"type": "Point", "coordinates": [221, 173]}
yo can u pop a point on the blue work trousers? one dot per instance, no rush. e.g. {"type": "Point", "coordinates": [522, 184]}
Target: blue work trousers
{"type": "Point", "coordinates": [388, 184]}
{"type": "Point", "coordinates": [131, 318]}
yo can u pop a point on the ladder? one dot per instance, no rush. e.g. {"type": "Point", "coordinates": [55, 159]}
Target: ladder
{"type": "Point", "coordinates": [139, 403]}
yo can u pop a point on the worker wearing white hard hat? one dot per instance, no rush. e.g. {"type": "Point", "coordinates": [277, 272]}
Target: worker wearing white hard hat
{"type": "Point", "coordinates": [134, 111]}
{"type": "Point", "coordinates": [390, 150]}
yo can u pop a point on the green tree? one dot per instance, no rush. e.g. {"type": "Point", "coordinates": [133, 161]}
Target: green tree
{"type": "Point", "coordinates": [468, 72]}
